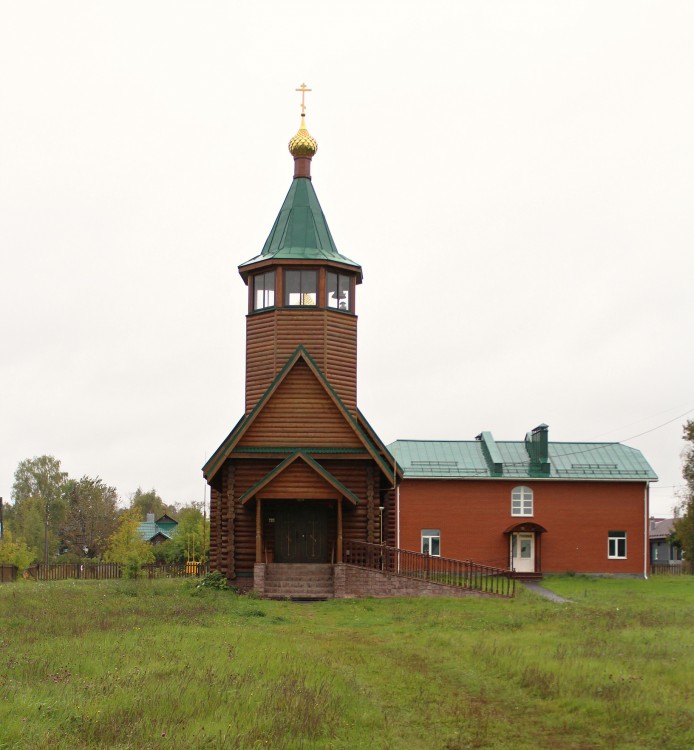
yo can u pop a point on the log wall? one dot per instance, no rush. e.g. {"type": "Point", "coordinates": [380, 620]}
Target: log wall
{"type": "Point", "coordinates": [329, 336]}
{"type": "Point", "coordinates": [300, 414]}
{"type": "Point", "coordinates": [232, 525]}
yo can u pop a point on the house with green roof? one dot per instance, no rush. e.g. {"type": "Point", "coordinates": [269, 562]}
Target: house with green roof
{"type": "Point", "coordinates": [159, 531]}
{"type": "Point", "coordinates": [533, 505]}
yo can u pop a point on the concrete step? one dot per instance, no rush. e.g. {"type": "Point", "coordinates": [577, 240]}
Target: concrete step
{"type": "Point", "coordinates": [299, 581]}
{"type": "Point", "coordinates": [290, 592]}
{"type": "Point", "coordinates": [298, 586]}
{"type": "Point", "coordinates": [299, 573]}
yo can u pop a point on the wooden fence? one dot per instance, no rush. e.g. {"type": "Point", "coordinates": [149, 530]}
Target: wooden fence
{"type": "Point", "coordinates": [8, 573]}
{"type": "Point", "coordinates": [462, 573]}
{"type": "Point", "coordinates": [107, 571]}
{"type": "Point", "coordinates": [672, 569]}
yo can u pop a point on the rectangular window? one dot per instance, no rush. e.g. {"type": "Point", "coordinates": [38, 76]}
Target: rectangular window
{"type": "Point", "coordinates": [617, 544]}
{"type": "Point", "coordinates": [301, 288]}
{"type": "Point", "coordinates": [431, 542]}
{"type": "Point", "coordinates": [264, 290]}
{"type": "Point", "coordinates": [338, 291]}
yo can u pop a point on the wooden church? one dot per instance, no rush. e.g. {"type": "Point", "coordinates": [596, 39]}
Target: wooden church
{"type": "Point", "coordinates": [302, 473]}
{"type": "Point", "coordinates": [307, 502]}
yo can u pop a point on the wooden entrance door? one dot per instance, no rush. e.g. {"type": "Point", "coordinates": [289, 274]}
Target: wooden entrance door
{"type": "Point", "coordinates": [301, 533]}
{"type": "Point", "coordinates": [523, 551]}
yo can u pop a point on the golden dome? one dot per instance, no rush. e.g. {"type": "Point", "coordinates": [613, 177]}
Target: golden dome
{"type": "Point", "coordinates": [303, 143]}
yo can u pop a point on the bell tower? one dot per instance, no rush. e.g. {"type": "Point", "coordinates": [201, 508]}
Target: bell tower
{"type": "Point", "coordinates": [301, 290]}
{"type": "Point", "coordinates": [302, 473]}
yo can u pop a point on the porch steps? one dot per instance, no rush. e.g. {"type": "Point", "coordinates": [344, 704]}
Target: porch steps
{"type": "Point", "coordinates": [304, 582]}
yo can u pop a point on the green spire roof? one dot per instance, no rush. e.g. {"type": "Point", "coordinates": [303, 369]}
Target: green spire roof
{"type": "Point", "coordinates": [300, 231]}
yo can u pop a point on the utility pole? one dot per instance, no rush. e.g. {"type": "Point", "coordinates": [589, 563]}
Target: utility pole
{"type": "Point", "coordinates": [45, 539]}
{"type": "Point", "coordinates": [2, 525]}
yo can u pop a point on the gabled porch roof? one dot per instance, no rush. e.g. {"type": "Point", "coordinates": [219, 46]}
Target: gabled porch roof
{"type": "Point", "coordinates": [325, 475]}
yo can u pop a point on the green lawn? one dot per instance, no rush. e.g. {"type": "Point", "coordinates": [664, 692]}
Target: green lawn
{"type": "Point", "coordinates": [158, 664]}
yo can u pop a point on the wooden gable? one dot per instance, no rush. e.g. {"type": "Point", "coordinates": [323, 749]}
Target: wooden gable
{"type": "Point", "coordinates": [299, 481]}
{"type": "Point", "coordinates": [299, 477]}
{"type": "Point", "coordinates": [326, 423]}
{"type": "Point", "coordinates": [300, 413]}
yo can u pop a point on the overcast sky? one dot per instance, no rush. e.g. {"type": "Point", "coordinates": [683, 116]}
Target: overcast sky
{"type": "Point", "coordinates": [516, 179]}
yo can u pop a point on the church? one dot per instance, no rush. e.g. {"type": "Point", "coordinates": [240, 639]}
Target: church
{"type": "Point", "coordinates": [304, 492]}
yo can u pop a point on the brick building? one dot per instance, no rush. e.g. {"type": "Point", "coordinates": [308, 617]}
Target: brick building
{"type": "Point", "coordinates": [532, 505]}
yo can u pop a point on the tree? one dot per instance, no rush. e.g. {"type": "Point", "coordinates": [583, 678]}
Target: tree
{"type": "Point", "coordinates": [127, 547]}
{"type": "Point", "coordinates": [38, 497]}
{"type": "Point", "coordinates": [191, 538]}
{"type": "Point", "coordinates": [15, 553]}
{"type": "Point", "coordinates": [150, 502]}
{"type": "Point", "coordinates": [684, 525]}
{"type": "Point", "coordinates": [91, 516]}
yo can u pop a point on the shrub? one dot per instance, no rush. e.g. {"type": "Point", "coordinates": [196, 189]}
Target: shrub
{"type": "Point", "coordinates": [214, 580]}
{"type": "Point", "coordinates": [16, 553]}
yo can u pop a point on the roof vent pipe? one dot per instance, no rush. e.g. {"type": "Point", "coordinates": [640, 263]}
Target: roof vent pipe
{"type": "Point", "coordinates": [537, 446]}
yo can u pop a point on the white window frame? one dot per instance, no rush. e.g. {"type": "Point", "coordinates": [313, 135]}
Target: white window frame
{"type": "Point", "coordinates": [264, 290]}
{"type": "Point", "coordinates": [428, 536]}
{"type": "Point", "coordinates": [522, 502]}
{"type": "Point", "coordinates": [343, 285]}
{"type": "Point", "coordinates": [307, 295]}
{"type": "Point", "coordinates": [613, 540]}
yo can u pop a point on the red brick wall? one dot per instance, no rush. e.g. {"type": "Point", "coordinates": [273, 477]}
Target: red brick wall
{"type": "Point", "coordinates": [351, 582]}
{"type": "Point", "coordinates": [473, 514]}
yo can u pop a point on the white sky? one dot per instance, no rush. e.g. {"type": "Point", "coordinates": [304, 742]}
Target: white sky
{"type": "Point", "coordinates": [516, 179]}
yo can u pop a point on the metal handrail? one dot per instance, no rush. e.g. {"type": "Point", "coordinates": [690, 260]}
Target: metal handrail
{"type": "Point", "coordinates": [464, 574]}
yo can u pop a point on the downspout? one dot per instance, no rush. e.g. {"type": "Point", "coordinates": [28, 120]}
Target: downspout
{"type": "Point", "coordinates": [645, 531]}
{"type": "Point", "coordinates": [397, 524]}
{"type": "Point", "coordinates": [397, 516]}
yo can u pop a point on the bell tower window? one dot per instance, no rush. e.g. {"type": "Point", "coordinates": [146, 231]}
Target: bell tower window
{"type": "Point", "coordinates": [338, 291]}
{"type": "Point", "coordinates": [301, 288]}
{"type": "Point", "coordinates": [264, 290]}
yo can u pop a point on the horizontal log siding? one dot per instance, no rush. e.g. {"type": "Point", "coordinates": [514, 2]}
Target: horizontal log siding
{"type": "Point", "coordinates": [215, 530]}
{"type": "Point", "coordinates": [329, 336]}
{"type": "Point", "coordinates": [299, 481]}
{"type": "Point", "coordinates": [233, 525]}
{"type": "Point", "coordinates": [300, 414]}
{"type": "Point", "coordinates": [353, 474]}
{"type": "Point", "coordinates": [340, 366]}
{"type": "Point", "coordinates": [390, 534]}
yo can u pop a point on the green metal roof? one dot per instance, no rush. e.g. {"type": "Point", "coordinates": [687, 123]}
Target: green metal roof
{"type": "Point", "coordinates": [148, 529]}
{"type": "Point", "coordinates": [454, 459]}
{"type": "Point", "coordinates": [300, 231]}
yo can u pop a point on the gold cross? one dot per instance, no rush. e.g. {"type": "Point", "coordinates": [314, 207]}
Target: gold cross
{"type": "Point", "coordinates": [303, 90]}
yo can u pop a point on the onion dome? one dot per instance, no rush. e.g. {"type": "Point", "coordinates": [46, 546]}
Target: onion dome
{"type": "Point", "coordinates": [303, 144]}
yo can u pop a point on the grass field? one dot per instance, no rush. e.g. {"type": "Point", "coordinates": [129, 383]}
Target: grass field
{"type": "Point", "coordinates": [138, 664]}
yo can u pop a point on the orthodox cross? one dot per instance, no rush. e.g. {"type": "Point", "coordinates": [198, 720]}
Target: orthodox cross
{"type": "Point", "coordinates": [303, 90]}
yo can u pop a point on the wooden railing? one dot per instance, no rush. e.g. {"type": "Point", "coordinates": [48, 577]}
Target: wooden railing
{"type": "Point", "coordinates": [461, 573]}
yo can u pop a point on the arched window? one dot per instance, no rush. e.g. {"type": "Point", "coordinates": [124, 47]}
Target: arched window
{"type": "Point", "coordinates": [521, 501]}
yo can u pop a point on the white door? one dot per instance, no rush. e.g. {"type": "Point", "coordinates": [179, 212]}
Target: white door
{"type": "Point", "coordinates": [523, 552]}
